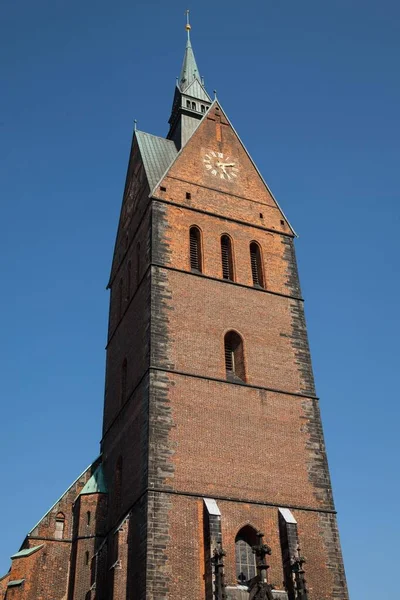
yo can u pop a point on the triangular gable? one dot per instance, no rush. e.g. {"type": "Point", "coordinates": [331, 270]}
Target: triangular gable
{"type": "Point", "coordinates": [196, 90]}
{"type": "Point", "coordinates": [215, 133]}
{"type": "Point", "coordinates": [85, 473]}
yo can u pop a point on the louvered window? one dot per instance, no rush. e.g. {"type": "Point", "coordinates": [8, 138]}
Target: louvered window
{"type": "Point", "coordinates": [256, 265]}
{"type": "Point", "coordinates": [226, 257]}
{"type": "Point", "coordinates": [195, 249]}
{"type": "Point", "coordinates": [234, 357]}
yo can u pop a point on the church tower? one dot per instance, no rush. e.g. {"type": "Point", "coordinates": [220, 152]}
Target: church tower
{"type": "Point", "coordinates": [212, 433]}
{"type": "Point", "coordinates": [212, 483]}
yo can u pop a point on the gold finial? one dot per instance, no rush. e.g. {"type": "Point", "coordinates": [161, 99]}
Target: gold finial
{"type": "Point", "coordinates": [188, 26]}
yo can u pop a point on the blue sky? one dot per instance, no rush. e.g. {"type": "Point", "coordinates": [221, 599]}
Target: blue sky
{"type": "Point", "coordinates": [313, 90]}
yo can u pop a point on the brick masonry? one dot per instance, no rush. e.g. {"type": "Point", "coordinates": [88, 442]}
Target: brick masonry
{"type": "Point", "coordinates": [175, 429]}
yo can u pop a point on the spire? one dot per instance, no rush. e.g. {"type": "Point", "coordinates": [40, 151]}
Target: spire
{"type": "Point", "coordinates": [189, 71]}
{"type": "Point", "coordinates": [191, 101]}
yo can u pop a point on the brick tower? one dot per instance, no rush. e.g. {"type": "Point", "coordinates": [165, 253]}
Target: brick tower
{"type": "Point", "coordinates": [213, 480]}
{"type": "Point", "coordinates": [212, 430]}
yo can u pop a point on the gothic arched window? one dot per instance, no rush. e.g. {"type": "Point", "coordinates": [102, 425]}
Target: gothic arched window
{"type": "Point", "coordinates": [234, 356]}
{"type": "Point", "coordinates": [60, 525]}
{"type": "Point", "coordinates": [245, 559]}
{"type": "Point", "coordinates": [256, 265]}
{"type": "Point", "coordinates": [227, 259]}
{"type": "Point", "coordinates": [195, 249]}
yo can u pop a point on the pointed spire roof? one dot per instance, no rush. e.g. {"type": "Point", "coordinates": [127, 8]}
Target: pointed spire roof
{"type": "Point", "coordinates": [189, 71]}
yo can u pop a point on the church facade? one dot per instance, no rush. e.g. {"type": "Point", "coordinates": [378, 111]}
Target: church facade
{"type": "Point", "coordinates": [212, 480]}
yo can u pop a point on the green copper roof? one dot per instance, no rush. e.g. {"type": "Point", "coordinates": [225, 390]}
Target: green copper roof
{"type": "Point", "coordinates": [15, 582]}
{"type": "Point", "coordinates": [189, 71]}
{"type": "Point", "coordinates": [96, 484]}
{"type": "Point", "coordinates": [157, 154]}
{"type": "Point", "coordinates": [27, 551]}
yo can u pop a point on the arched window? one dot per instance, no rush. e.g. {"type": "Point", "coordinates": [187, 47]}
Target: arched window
{"type": "Point", "coordinates": [188, 103]}
{"type": "Point", "coordinates": [234, 356]}
{"type": "Point", "coordinates": [245, 559]}
{"type": "Point", "coordinates": [226, 257]}
{"type": "Point", "coordinates": [60, 525]}
{"type": "Point", "coordinates": [195, 249]}
{"type": "Point", "coordinates": [124, 376]}
{"type": "Point", "coordinates": [203, 108]}
{"type": "Point", "coordinates": [194, 105]}
{"type": "Point", "coordinates": [256, 265]}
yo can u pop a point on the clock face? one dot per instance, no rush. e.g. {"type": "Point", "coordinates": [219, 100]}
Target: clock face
{"type": "Point", "coordinates": [220, 166]}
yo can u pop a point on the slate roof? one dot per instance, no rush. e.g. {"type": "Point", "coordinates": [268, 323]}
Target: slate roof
{"type": "Point", "coordinates": [157, 154]}
{"type": "Point", "coordinates": [96, 484]}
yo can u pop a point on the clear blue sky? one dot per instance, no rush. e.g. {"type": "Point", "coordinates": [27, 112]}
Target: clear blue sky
{"type": "Point", "coordinates": [313, 89]}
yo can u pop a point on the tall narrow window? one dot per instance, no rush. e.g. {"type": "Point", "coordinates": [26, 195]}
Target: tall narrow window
{"type": "Point", "coordinates": [60, 524]}
{"type": "Point", "coordinates": [234, 356]}
{"type": "Point", "coordinates": [86, 557]}
{"type": "Point", "coordinates": [203, 108]}
{"type": "Point", "coordinates": [128, 280]}
{"type": "Point", "coordinates": [245, 559]}
{"type": "Point", "coordinates": [88, 518]}
{"type": "Point", "coordinates": [124, 376]}
{"type": "Point", "coordinates": [194, 105]}
{"type": "Point", "coordinates": [226, 257]}
{"type": "Point", "coordinates": [195, 249]}
{"type": "Point", "coordinates": [256, 265]}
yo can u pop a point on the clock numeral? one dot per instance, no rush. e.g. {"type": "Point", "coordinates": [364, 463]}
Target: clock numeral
{"type": "Point", "coordinates": [220, 155]}
{"type": "Point", "coordinates": [214, 172]}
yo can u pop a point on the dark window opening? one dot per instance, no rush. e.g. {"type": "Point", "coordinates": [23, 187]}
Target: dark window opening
{"type": "Point", "coordinates": [188, 195]}
{"type": "Point", "coordinates": [193, 105]}
{"type": "Point", "coordinates": [86, 557]}
{"type": "Point", "coordinates": [195, 249]}
{"type": "Point", "coordinates": [226, 256]}
{"type": "Point", "coordinates": [234, 356]}
{"type": "Point", "coordinates": [203, 108]}
{"type": "Point", "coordinates": [162, 188]}
{"type": "Point", "coordinates": [188, 103]}
{"type": "Point", "coordinates": [261, 216]}
{"type": "Point", "coordinates": [282, 222]}
{"type": "Point", "coordinates": [245, 559]}
{"type": "Point", "coordinates": [256, 265]}
{"type": "Point", "coordinates": [88, 516]}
